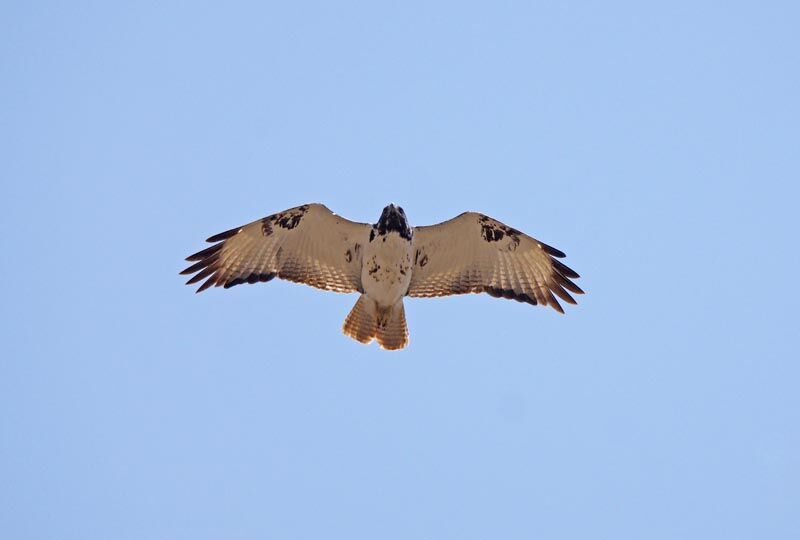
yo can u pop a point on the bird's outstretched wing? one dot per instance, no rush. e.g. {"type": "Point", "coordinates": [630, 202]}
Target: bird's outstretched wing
{"type": "Point", "coordinates": [307, 244]}
{"type": "Point", "coordinates": [475, 253]}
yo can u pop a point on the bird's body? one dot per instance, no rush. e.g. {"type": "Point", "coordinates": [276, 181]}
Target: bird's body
{"type": "Point", "coordinates": [386, 267]}
{"type": "Point", "coordinates": [386, 262]}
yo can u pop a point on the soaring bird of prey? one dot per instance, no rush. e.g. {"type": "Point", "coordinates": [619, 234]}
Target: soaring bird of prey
{"type": "Point", "coordinates": [384, 262]}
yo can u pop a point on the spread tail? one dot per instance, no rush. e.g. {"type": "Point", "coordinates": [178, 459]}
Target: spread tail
{"type": "Point", "coordinates": [392, 329]}
{"type": "Point", "coordinates": [367, 321]}
{"type": "Point", "coordinates": [362, 322]}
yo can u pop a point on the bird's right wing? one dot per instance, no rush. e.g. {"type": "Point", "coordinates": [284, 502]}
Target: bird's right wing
{"type": "Point", "coordinates": [475, 253]}
{"type": "Point", "coordinates": [307, 244]}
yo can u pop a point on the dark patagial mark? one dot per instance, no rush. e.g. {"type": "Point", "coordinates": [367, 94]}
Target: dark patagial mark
{"type": "Point", "coordinates": [288, 221]}
{"type": "Point", "coordinates": [494, 231]}
{"type": "Point", "coordinates": [372, 234]}
{"type": "Point", "coordinates": [490, 234]}
{"type": "Point", "coordinates": [348, 256]}
{"type": "Point", "coordinates": [266, 226]}
{"type": "Point", "coordinates": [291, 218]}
{"type": "Point", "coordinates": [423, 261]}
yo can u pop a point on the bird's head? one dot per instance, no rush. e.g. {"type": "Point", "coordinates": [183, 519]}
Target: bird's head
{"type": "Point", "coordinates": [393, 218]}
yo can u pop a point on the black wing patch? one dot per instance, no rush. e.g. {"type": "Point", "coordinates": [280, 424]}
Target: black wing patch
{"type": "Point", "coordinates": [494, 231]}
{"type": "Point", "coordinates": [291, 218]}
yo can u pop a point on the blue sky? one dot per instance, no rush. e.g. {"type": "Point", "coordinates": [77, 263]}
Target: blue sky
{"type": "Point", "coordinates": [656, 144]}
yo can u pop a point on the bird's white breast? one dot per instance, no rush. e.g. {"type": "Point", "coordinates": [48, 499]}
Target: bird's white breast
{"type": "Point", "coordinates": [386, 268]}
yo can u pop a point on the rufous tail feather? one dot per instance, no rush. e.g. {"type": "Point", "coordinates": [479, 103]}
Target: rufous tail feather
{"type": "Point", "coordinates": [362, 322]}
{"type": "Point", "coordinates": [392, 331]}
{"type": "Point", "coordinates": [367, 321]}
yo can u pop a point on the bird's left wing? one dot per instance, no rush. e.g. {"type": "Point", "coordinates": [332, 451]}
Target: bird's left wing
{"type": "Point", "coordinates": [307, 244]}
{"type": "Point", "coordinates": [475, 253]}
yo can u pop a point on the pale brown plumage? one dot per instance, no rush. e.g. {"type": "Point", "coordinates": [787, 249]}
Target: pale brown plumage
{"type": "Point", "coordinates": [471, 253]}
{"type": "Point", "coordinates": [305, 244]}
{"type": "Point", "coordinates": [474, 253]}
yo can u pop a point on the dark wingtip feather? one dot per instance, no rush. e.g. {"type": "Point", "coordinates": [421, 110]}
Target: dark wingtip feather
{"type": "Point", "coordinates": [206, 272]}
{"type": "Point", "coordinates": [561, 293]}
{"type": "Point", "coordinates": [550, 250]}
{"type": "Point", "coordinates": [223, 235]}
{"type": "Point", "coordinates": [566, 283]}
{"type": "Point", "coordinates": [202, 254]}
{"type": "Point", "coordinates": [552, 302]}
{"type": "Point", "coordinates": [195, 267]}
{"type": "Point", "coordinates": [207, 283]}
{"type": "Point", "coordinates": [564, 270]}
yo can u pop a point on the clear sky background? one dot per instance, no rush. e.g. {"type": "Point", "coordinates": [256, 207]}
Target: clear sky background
{"type": "Point", "coordinates": [656, 144]}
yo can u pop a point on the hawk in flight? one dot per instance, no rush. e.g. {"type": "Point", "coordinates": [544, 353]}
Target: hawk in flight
{"type": "Point", "coordinates": [471, 253]}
